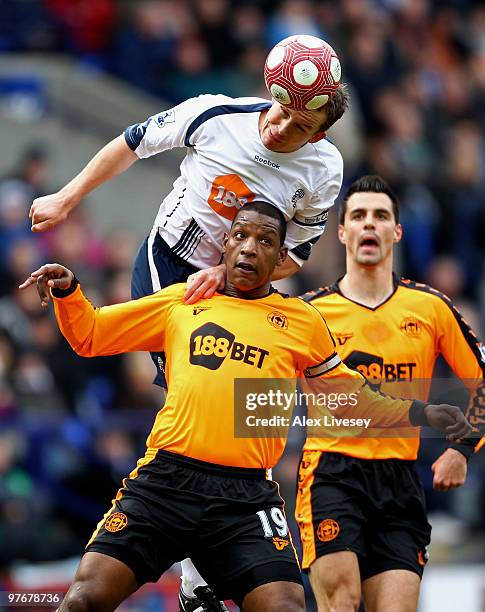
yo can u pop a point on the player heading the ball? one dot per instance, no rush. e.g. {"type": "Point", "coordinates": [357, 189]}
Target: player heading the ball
{"type": "Point", "coordinates": [302, 72]}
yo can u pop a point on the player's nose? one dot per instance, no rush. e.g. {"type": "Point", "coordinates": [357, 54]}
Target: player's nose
{"type": "Point", "coordinates": [284, 127]}
{"type": "Point", "coordinates": [248, 246]}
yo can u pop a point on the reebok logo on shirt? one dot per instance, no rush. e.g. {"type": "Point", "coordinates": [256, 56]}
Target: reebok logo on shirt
{"type": "Point", "coordinates": [266, 162]}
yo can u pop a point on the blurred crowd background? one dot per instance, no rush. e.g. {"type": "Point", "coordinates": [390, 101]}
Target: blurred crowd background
{"type": "Point", "coordinates": [70, 429]}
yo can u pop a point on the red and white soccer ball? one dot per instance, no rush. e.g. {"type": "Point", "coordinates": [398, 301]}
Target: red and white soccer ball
{"type": "Point", "coordinates": [302, 72]}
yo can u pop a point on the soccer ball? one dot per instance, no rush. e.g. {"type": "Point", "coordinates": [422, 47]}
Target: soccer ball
{"type": "Point", "coordinates": [302, 72]}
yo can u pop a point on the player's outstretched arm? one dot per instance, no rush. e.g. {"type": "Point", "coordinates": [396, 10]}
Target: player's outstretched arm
{"type": "Point", "coordinates": [137, 325]}
{"type": "Point", "coordinates": [464, 353]}
{"type": "Point", "coordinates": [325, 372]}
{"type": "Point", "coordinates": [113, 159]}
{"type": "Point", "coordinates": [358, 400]}
{"type": "Point", "coordinates": [386, 411]}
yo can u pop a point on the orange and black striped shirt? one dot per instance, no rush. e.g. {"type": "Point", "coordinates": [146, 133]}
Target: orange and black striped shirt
{"type": "Point", "coordinates": [395, 346]}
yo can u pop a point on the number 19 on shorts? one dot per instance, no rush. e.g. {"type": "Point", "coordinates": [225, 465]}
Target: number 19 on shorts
{"type": "Point", "coordinates": [277, 518]}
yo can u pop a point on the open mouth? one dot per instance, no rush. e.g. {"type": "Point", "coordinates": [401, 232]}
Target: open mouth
{"type": "Point", "coordinates": [245, 266]}
{"type": "Point", "coordinates": [369, 242]}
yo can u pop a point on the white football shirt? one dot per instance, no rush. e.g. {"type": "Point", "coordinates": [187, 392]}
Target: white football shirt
{"type": "Point", "coordinates": [227, 166]}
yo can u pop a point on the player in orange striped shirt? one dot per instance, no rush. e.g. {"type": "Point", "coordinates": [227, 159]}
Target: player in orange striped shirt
{"type": "Point", "coordinates": [201, 491]}
{"type": "Point", "coordinates": [360, 505]}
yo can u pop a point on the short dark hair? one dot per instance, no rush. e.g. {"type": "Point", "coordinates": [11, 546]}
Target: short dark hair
{"type": "Point", "coordinates": [371, 183]}
{"type": "Point", "coordinates": [336, 106]}
{"type": "Point", "coordinates": [265, 208]}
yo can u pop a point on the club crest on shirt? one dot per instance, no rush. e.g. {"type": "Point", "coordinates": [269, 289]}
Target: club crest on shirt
{"type": "Point", "coordinates": [410, 326]}
{"type": "Point", "coordinates": [278, 319]}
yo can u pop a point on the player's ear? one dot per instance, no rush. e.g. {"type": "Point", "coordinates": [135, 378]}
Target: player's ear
{"type": "Point", "coordinates": [398, 233]}
{"type": "Point", "coordinates": [341, 234]}
{"type": "Point", "coordinates": [282, 255]}
{"type": "Point", "coordinates": [224, 242]}
{"type": "Point", "coordinates": [318, 136]}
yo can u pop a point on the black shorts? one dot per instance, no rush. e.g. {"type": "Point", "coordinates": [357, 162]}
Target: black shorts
{"type": "Point", "coordinates": [164, 268]}
{"type": "Point", "coordinates": [229, 521]}
{"type": "Point", "coordinates": [373, 507]}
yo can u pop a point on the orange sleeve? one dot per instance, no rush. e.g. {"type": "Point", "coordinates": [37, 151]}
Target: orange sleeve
{"type": "Point", "coordinates": [138, 325]}
{"type": "Point", "coordinates": [458, 343]}
{"type": "Point", "coordinates": [465, 354]}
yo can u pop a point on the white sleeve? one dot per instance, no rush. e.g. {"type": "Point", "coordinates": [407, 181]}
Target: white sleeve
{"type": "Point", "coordinates": [308, 222]}
{"type": "Point", "coordinates": [169, 128]}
